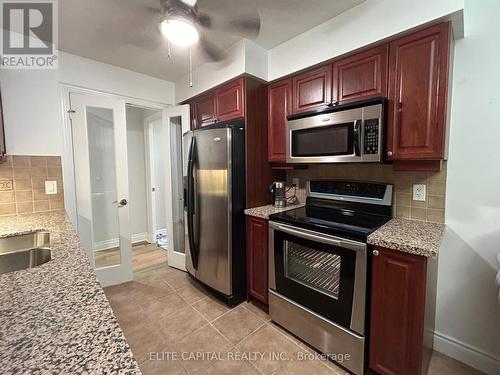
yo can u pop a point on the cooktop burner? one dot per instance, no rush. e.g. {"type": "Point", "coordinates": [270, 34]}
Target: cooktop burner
{"type": "Point", "coordinates": [340, 208]}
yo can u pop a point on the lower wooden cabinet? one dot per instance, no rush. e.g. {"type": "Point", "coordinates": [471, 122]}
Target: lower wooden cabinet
{"type": "Point", "coordinates": [257, 261]}
{"type": "Point", "coordinates": [399, 312]}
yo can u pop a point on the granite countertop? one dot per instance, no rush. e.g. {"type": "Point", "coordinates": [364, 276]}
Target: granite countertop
{"type": "Point", "coordinates": [55, 318]}
{"type": "Point", "coordinates": [263, 212]}
{"type": "Point", "coordinates": [410, 236]}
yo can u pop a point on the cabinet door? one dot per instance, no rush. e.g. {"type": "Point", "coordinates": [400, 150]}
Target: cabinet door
{"type": "Point", "coordinates": [257, 258]}
{"type": "Point", "coordinates": [204, 111]}
{"type": "Point", "coordinates": [230, 101]}
{"type": "Point", "coordinates": [312, 89]}
{"type": "Point", "coordinates": [280, 98]}
{"type": "Point", "coordinates": [418, 86]}
{"type": "Point", "coordinates": [397, 312]}
{"type": "Point", "coordinates": [361, 76]}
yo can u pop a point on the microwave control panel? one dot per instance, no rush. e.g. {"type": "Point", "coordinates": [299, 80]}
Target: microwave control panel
{"type": "Point", "coordinates": [370, 146]}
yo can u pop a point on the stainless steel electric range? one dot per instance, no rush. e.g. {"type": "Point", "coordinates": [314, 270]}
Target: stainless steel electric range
{"type": "Point", "coordinates": [318, 266]}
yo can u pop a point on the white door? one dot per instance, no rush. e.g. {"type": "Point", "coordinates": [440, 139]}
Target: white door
{"type": "Point", "coordinates": [176, 121]}
{"type": "Point", "coordinates": [99, 134]}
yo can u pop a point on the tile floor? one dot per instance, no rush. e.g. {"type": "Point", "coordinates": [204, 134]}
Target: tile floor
{"type": "Point", "coordinates": [175, 327]}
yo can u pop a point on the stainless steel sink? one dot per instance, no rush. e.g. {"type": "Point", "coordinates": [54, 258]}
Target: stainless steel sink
{"type": "Point", "coordinates": [23, 251]}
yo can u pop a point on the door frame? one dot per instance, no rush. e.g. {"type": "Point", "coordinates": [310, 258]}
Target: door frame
{"type": "Point", "coordinates": [150, 182]}
{"type": "Point", "coordinates": [67, 154]}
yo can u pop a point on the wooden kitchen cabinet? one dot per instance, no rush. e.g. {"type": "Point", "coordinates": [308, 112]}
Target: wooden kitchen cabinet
{"type": "Point", "coordinates": [402, 304]}
{"type": "Point", "coordinates": [257, 258]}
{"type": "Point", "coordinates": [229, 101]}
{"type": "Point", "coordinates": [203, 111]}
{"type": "Point", "coordinates": [418, 94]}
{"type": "Point", "coordinates": [280, 100]}
{"type": "Point", "coordinates": [312, 89]}
{"type": "Point", "coordinates": [361, 76]}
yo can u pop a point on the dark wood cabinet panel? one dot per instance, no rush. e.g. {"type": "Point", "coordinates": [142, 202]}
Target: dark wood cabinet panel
{"type": "Point", "coordinates": [229, 101]}
{"type": "Point", "coordinates": [361, 76]}
{"type": "Point", "coordinates": [2, 132]}
{"type": "Point", "coordinates": [203, 111]}
{"type": "Point", "coordinates": [397, 312]}
{"type": "Point", "coordinates": [257, 258]}
{"type": "Point", "coordinates": [312, 90]}
{"type": "Point", "coordinates": [418, 86]}
{"type": "Point", "coordinates": [280, 99]}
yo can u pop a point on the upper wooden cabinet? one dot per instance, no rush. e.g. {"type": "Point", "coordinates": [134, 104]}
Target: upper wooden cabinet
{"type": "Point", "coordinates": [360, 76]}
{"type": "Point", "coordinates": [418, 87]}
{"type": "Point", "coordinates": [229, 101]}
{"type": "Point", "coordinates": [203, 111]}
{"type": "Point", "coordinates": [312, 89]}
{"type": "Point", "coordinates": [223, 104]}
{"type": "Point", "coordinates": [400, 311]}
{"type": "Point", "coordinates": [280, 100]}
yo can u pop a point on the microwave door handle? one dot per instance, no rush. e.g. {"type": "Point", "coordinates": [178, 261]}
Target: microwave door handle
{"type": "Point", "coordinates": [357, 137]}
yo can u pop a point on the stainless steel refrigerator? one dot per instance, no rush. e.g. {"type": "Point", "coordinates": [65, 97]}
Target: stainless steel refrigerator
{"type": "Point", "coordinates": [214, 202]}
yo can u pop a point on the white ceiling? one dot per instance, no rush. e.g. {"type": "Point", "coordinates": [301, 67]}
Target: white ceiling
{"type": "Point", "coordinates": [125, 33]}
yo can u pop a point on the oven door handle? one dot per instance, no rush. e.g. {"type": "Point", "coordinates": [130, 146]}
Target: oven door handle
{"type": "Point", "coordinates": [314, 236]}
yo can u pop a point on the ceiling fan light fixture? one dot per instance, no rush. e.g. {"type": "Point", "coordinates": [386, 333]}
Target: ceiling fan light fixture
{"type": "Point", "coordinates": [179, 31]}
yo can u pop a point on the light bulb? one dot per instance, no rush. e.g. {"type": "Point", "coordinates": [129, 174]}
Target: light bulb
{"type": "Point", "coordinates": [179, 31]}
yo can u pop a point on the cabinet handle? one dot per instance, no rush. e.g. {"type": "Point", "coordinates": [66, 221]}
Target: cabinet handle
{"type": "Point", "coordinates": [375, 252]}
{"type": "Point", "coordinates": [389, 153]}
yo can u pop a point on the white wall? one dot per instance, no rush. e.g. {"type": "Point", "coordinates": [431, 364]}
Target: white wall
{"type": "Point", "coordinates": [367, 23]}
{"type": "Point", "coordinates": [31, 99]}
{"type": "Point", "coordinates": [243, 57]}
{"type": "Point", "coordinates": [468, 307]}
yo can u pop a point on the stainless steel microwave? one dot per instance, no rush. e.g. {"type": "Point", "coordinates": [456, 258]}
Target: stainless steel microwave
{"type": "Point", "coordinates": [350, 134]}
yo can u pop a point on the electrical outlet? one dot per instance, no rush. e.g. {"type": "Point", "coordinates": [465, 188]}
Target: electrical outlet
{"type": "Point", "coordinates": [50, 187]}
{"type": "Point", "coordinates": [295, 181]}
{"type": "Point", "coordinates": [419, 192]}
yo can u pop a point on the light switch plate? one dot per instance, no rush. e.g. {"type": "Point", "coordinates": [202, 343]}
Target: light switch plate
{"type": "Point", "coordinates": [50, 187]}
{"type": "Point", "coordinates": [419, 192]}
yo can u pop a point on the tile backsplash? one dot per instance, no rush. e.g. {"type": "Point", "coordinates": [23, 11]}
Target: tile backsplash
{"type": "Point", "coordinates": [432, 209]}
{"type": "Point", "coordinates": [22, 184]}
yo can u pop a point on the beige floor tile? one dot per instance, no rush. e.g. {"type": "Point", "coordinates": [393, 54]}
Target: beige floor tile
{"type": "Point", "coordinates": [205, 340]}
{"type": "Point", "coordinates": [162, 367]}
{"type": "Point", "coordinates": [145, 340]}
{"type": "Point", "coordinates": [164, 306]}
{"type": "Point", "coordinates": [210, 308]}
{"type": "Point", "coordinates": [192, 293]}
{"type": "Point", "coordinates": [178, 279]}
{"type": "Point", "coordinates": [180, 324]}
{"type": "Point", "coordinates": [230, 367]}
{"type": "Point", "coordinates": [238, 324]}
{"type": "Point", "coordinates": [257, 310]}
{"type": "Point", "coordinates": [268, 341]}
{"type": "Point", "coordinates": [444, 365]}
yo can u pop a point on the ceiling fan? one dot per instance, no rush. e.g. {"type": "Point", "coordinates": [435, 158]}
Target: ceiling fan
{"type": "Point", "coordinates": [183, 24]}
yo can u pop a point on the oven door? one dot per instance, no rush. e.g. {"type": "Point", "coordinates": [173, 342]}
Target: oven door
{"type": "Point", "coordinates": [323, 273]}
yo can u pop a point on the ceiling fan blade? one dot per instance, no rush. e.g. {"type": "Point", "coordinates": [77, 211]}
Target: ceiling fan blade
{"type": "Point", "coordinates": [211, 50]}
{"type": "Point", "coordinates": [247, 27]}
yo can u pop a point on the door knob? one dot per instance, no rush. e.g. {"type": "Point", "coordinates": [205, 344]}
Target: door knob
{"type": "Point", "coordinates": [375, 252]}
{"type": "Point", "coordinates": [389, 153]}
{"type": "Point", "coordinates": [121, 203]}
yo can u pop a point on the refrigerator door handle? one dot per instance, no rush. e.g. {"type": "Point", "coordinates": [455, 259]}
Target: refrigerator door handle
{"type": "Point", "coordinates": [190, 203]}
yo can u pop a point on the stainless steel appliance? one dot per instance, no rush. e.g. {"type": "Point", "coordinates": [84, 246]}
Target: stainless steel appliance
{"type": "Point", "coordinates": [278, 193]}
{"type": "Point", "coordinates": [214, 196]}
{"type": "Point", "coordinates": [318, 266]}
{"type": "Point", "coordinates": [346, 134]}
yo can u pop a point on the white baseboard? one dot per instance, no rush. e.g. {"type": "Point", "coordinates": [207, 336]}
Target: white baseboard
{"type": "Point", "coordinates": [115, 242]}
{"type": "Point", "coordinates": [466, 353]}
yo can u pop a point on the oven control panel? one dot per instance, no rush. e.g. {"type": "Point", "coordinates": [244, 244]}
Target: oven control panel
{"type": "Point", "coordinates": [371, 133]}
